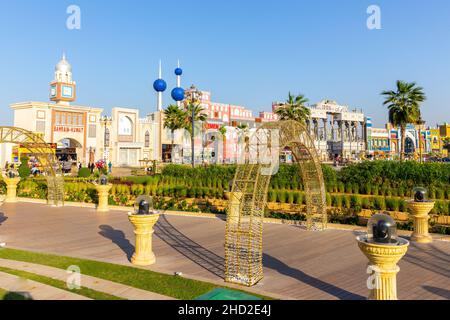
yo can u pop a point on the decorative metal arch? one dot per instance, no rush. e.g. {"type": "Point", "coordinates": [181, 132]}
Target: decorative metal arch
{"type": "Point", "coordinates": [43, 152]}
{"type": "Point", "coordinates": [248, 198]}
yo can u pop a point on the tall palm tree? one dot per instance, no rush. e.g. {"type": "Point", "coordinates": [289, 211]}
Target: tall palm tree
{"type": "Point", "coordinates": [193, 114]}
{"type": "Point", "coordinates": [294, 109]}
{"type": "Point", "coordinates": [174, 119]}
{"type": "Point", "coordinates": [223, 132]}
{"type": "Point", "coordinates": [404, 107]}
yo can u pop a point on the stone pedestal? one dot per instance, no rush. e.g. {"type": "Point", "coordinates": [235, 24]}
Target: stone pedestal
{"type": "Point", "coordinates": [103, 195]}
{"type": "Point", "coordinates": [420, 211]}
{"type": "Point", "coordinates": [143, 229]}
{"type": "Point", "coordinates": [383, 261]}
{"type": "Point", "coordinates": [235, 201]}
{"type": "Point", "coordinates": [11, 189]}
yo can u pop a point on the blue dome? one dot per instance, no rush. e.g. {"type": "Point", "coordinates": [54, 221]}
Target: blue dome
{"type": "Point", "coordinates": [160, 85]}
{"type": "Point", "coordinates": [178, 94]}
{"type": "Point", "coordinates": [178, 71]}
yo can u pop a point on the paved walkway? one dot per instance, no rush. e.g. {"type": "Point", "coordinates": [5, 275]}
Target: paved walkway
{"type": "Point", "coordinates": [35, 290]}
{"type": "Point", "coordinates": [297, 264]}
{"type": "Point", "coordinates": [105, 286]}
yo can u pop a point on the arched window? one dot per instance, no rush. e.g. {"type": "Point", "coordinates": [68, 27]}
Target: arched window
{"type": "Point", "coordinates": [107, 137]}
{"type": "Point", "coordinates": [147, 139]}
{"type": "Point", "coordinates": [125, 126]}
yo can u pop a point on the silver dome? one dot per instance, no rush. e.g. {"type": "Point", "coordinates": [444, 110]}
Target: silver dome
{"type": "Point", "coordinates": [63, 66]}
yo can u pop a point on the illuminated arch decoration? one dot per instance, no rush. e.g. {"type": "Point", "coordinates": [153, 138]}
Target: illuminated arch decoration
{"type": "Point", "coordinates": [44, 154]}
{"type": "Point", "coordinates": [248, 197]}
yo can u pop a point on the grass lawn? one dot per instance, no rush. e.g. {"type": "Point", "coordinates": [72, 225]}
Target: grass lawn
{"type": "Point", "coordinates": [172, 286]}
{"type": "Point", "coordinates": [86, 292]}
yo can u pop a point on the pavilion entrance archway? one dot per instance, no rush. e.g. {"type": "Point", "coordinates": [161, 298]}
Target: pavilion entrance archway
{"type": "Point", "coordinates": [45, 155]}
{"type": "Point", "coordinates": [248, 198]}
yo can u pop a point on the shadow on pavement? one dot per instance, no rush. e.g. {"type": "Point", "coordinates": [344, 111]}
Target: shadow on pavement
{"type": "Point", "coordinates": [118, 238]}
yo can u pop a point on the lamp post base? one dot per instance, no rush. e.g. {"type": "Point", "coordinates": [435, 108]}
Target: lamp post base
{"type": "Point", "coordinates": [103, 195]}
{"type": "Point", "coordinates": [383, 261]}
{"type": "Point", "coordinates": [420, 212]}
{"type": "Point", "coordinates": [143, 229]}
{"type": "Point", "coordinates": [11, 189]}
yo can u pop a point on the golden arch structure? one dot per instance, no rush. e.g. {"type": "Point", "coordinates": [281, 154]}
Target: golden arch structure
{"type": "Point", "coordinates": [248, 197]}
{"type": "Point", "coordinates": [44, 154]}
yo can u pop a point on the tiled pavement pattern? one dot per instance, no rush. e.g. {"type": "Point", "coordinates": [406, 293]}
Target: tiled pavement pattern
{"type": "Point", "coordinates": [298, 264]}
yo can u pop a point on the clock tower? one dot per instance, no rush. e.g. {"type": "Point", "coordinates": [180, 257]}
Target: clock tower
{"type": "Point", "coordinates": [63, 88]}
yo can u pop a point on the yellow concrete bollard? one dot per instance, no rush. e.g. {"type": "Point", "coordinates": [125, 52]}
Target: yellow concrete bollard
{"type": "Point", "coordinates": [383, 261]}
{"type": "Point", "coordinates": [143, 229]}
{"type": "Point", "coordinates": [420, 212]}
{"type": "Point", "coordinates": [11, 189]}
{"type": "Point", "coordinates": [103, 195]}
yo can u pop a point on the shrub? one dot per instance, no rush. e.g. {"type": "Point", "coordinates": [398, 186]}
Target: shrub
{"type": "Point", "coordinates": [281, 196]}
{"type": "Point", "coordinates": [348, 188]}
{"type": "Point", "coordinates": [337, 201]}
{"type": "Point", "coordinates": [379, 203]}
{"type": "Point", "coordinates": [298, 198]}
{"type": "Point", "coordinates": [347, 202]}
{"type": "Point", "coordinates": [375, 190]}
{"type": "Point", "coordinates": [368, 188]}
{"type": "Point", "coordinates": [440, 194]}
{"type": "Point", "coordinates": [402, 207]}
{"type": "Point", "coordinates": [272, 196]}
{"type": "Point", "coordinates": [290, 197]}
{"type": "Point", "coordinates": [441, 207]}
{"type": "Point", "coordinates": [84, 173]}
{"type": "Point", "coordinates": [341, 187]}
{"type": "Point", "coordinates": [328, 199]}
{"type": "Point", "coordinates": [392, 204]}
{"type": "Point", "coordinates": [24, 169]}
{"type": "Point", "coordinates": [365, 203]}
{"type": "Point", "coordinates": [356, 203]}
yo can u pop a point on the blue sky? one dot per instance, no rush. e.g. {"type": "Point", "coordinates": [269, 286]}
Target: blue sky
{"type": "Point", "coordinates": [245, 52]}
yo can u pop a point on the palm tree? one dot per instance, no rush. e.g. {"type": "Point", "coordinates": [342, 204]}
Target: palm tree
{"type": "Point", "coordinates": [404, 107]}
{"type": "Point", "coordinates": [193, 113]}
{"type": "Point", "coordinates": [223, 132]}
{"type": "Point", "coordinates": [294, 109]}
{"type": "Point", "coordinates": [174, 119]}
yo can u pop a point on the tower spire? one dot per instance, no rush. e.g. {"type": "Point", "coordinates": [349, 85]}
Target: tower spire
{"type": "Point", "coordinates": [160, 86]}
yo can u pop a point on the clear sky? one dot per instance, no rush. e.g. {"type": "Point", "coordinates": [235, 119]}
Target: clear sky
{"type": "Point", "coordinates": [245, 52]}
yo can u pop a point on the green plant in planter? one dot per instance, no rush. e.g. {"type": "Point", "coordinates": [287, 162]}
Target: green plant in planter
{"type": "Point", "coordinates": [365, 203]}
{"type": "Point", "coordinates": [272, 196]}
{"type": "Point", "coordinates": [379, 203]}
{"type": "Point", "coordinates": [290, 197]}
{"type": "Point", "coordinates": [298, 198]}
{"type": "Point", "coordinates": [24, 169]}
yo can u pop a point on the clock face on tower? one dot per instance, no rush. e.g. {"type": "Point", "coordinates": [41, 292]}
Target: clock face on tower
{"type": "Point", "coordinates": [67, 92]}
{"type": "Point", "coordinates": [62, 92]}
{"type": "Point", "coordinates": [53, 91]}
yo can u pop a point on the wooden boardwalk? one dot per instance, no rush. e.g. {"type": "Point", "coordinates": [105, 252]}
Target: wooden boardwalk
{"type": "Point", "coordinates": [298, 264]}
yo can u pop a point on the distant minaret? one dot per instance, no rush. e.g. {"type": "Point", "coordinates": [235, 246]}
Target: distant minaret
{"type": "Point", "coordinates": [160, 86]}
{"type": "Point", "coordinates": [63, 88]}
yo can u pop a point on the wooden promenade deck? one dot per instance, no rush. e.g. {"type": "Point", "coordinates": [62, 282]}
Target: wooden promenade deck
{"type": "Point", "coordinates": [298, 264]}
